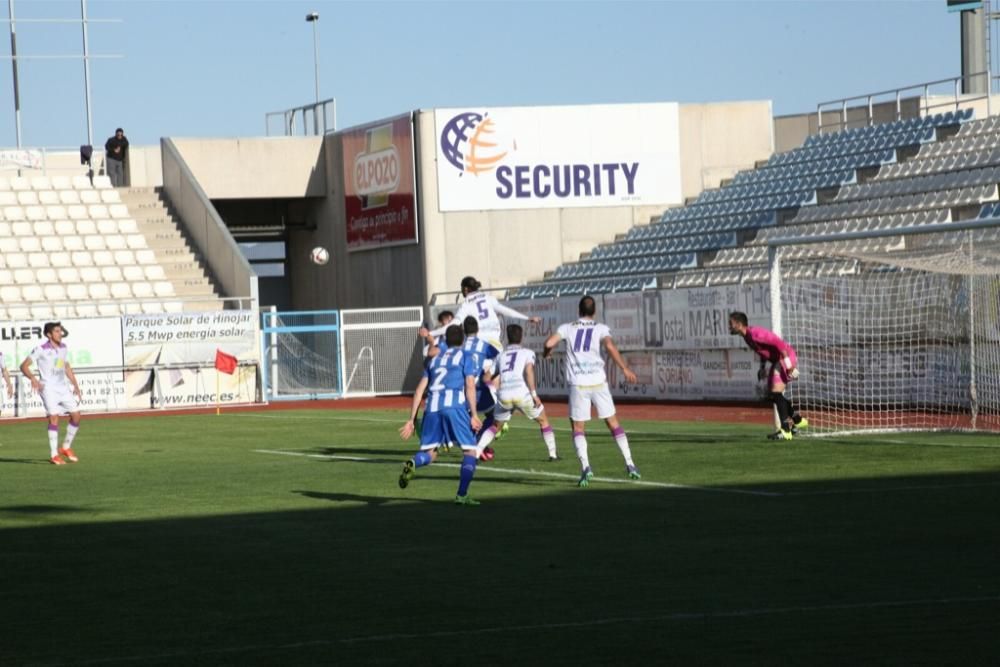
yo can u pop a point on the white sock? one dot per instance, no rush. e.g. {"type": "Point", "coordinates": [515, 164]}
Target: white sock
{"type": "Point", "coordinates": [71, 430]}
{"type": "Point", "coordinates": [53, 440]}
{"type": "Point", "coordinates": [485, 441]}
{"type": "Point", "coordinates": [622, 440]}
{"type": "Point", "coordinates": [580, 442]}
{"type": "Point", "coordinates": [549, 436]}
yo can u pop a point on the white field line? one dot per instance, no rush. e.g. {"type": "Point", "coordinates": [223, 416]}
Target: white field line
{"type": "Point", "coordinates": [537, 473]}
{"type": "Point", "coordinates": [537, 627]}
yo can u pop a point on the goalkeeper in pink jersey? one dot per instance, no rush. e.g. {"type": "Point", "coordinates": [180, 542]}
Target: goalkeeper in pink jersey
{"type": "Point", "coordinates": [784, 368]}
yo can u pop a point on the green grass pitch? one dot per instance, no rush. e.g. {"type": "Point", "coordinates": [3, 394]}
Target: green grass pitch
{"type": "Point", "coordinates": [282, 538]}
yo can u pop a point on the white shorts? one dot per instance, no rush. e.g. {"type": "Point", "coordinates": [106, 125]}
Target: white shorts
{"type": "Point", "coordinates": [59, 401]}
{"type": "Point", "coordinates": [506, 405]}
{"type": "Point", "coordinates": [581, 398]}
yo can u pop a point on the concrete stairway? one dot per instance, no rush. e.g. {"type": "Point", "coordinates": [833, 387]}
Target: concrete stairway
{"type": "Point", "coordinates": [180, 261]}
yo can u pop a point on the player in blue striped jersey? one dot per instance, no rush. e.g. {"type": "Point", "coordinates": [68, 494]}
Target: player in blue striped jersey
{"type": "Point", "coordinates": [485, 356]}
{"type": "Point", "coordinates": [450, 379]}
{"type": "Point", "coordinates": [434, 346]}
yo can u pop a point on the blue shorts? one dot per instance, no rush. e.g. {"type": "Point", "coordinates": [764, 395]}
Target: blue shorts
{"type": "Point", "coordinates": [446, 427]}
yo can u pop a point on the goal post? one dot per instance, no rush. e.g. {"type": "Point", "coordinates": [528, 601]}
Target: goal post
{"type": "Point", "coordinates": [895, 329]}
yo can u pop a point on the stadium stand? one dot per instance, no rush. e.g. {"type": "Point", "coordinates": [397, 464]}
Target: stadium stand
{"type": "Point", "coordinates": [71, 248]}
{"type": "Point", "coordinates": [932, 169]}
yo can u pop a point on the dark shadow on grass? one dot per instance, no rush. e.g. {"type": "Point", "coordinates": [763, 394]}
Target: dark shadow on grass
{"type": "Point", "coordinates": [28, 461]}
{"type": "Point", "coordinates": [616, 576]}
{"type": "Point", "coordinates": [40, 509]}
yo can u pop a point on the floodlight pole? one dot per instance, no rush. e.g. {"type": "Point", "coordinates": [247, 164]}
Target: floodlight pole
{"type": "Point", "coordinates": [13, 60]}
{"type": "Point", "coordinates": [313, 17]}
{"type": "Point", "coordinates": [86, 72]}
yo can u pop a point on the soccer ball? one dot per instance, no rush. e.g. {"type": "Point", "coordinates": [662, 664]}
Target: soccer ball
{"type": "Point", "coordinates": [319, 255]}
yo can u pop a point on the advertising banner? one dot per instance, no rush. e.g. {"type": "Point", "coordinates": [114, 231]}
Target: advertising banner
{"type": "Point", "coordinates": [378, 184]}
{"type": "Point", "coordinates": [502, 158]}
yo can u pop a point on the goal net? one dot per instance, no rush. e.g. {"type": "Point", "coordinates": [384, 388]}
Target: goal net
{"type": "Point", "coordinates": [893, 333]}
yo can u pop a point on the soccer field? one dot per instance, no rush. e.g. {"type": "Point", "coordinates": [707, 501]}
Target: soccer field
{"type": "Point", "coordinates": [282, 538]}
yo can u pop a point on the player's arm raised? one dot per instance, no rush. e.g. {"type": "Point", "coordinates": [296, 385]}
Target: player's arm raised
{"type": "Point", "coordinates": [510, 312]}
{"type": "Point", "coordinates": [72, 378]}
{"type": "Point", "coordinates": [616, 356]}
{"type": "Point", "coordinates": [407, 430]}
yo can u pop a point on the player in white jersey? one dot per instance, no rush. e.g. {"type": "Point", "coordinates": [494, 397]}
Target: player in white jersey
{"type": "Point", "coordinates": [6, 377]}
{"type": "Point", "coordinates": [588, 384]}
{"type": "Point", "coordinates": [485, 309]}
{"type": "Point", "coordinates": [516, 367]}
{"type": "Point", "coordinates": [56, 384]}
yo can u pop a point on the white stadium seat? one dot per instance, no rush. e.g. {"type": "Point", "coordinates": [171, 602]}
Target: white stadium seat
{"type": "Point", "coordinates": [39, 259]}
{"type": "Point", "coordinates": [52, 243]}
{"type": "Point", "coordinates": [82, 183]}
{"type": "Point", "coordinates": [163, 288]}
{"type": "Point", "coordinates": [48, 197]}
{"type": "Point", "coordinates": [32, 293]}
{"type": "Point", "coordinates": [41, 183]}
{"type": "Point", "coordinates": [82, 258]}
{"type": "Point", "coordinates": [103, 258]}
{"type": "Point", "coordinates": [18, 312]}
{"type": "Point", "coordinates": [64, 227]}
{"type": "Point", "coordinates": [4, 183]}
{"type": "Point", "coordinates": [128, 226]}
{"type": "Point", "coordinates": [35, 213]}
{"type": "Point", "coordinates": [98, 291]}
{"type": "Point", "coordinates": [131, 273]}
{"type": "Point", "coordinates": [152, 307]}
{"type": "Point", "coordinates": [110, 197]}
{"type": "Point", "coordinates": [109, 309]}
{"type": "Point", "coordinates": [61, 259]}
{"type": "Point", "coordinates": [62, 183]}
{"type": "Point", "coordinates": [7, 276]}
{"type": "Point", "coordinates": [85, 227]}
{"type": "Point", "coordinates": [135, 241]}
{"type": "Point", "coordinates": [102, 182]}
{"type": "Point", "coordinates": [56, 212]}
{"type": "Point", "coordinates": [154, 272]}
{"type": "Point", "coordinates": [145, 257]}
{"type": "Point", "coordinates": [69, 197]}
{"type": "Point", "coordinates": [45, 276]}
{"type": "Point", "coordinates": [8, 244]}
{"type": "Point", "coordinates": [118, 211]}
{"type": "Point", "coordinates": [5, 229]}
{"type": "Point", "coordinates": [44, 228]}
{"type": "Point", "coordinates": [85, 309]}
{"type": "Point", "coordinates": [22, 228]}
{"type": "Point", "coordinates": [55, 292]}
{"type": "Point", "coordinates": [27, 198]}
{"type": "Point", "coordinates": [69, 275]}
{"type": "Point", "coordinates": [173, 306]}
{"type": "Point", "coordinates": [73, 242]}
{"type": "Point", "coordinates": [77, 212]}
{"type": "Point", "coordinates": [90, 197]}
{"type": "Point", "coordinates": [15, 260]}
{"type": "Point", "coordinates": [94, 242]}
{"type": "Point", "coordinates": [24, 276]}
{"type": "Point", "coordinates": [142, 290]}
{"type": "Point", "coordinates": [13, 213]}
{"type": "Point", "coordinates": [115, 241]}
{"type": "Point", "coordinates": [111, 274]}
{"type": "Point", "coordinates": [8, 199]}
{"type": "Point", "coordinates": [18, 183]}
{"type": "Point", "coordinates": [90, 274]}
{"type": "Point", "coordinates": [29, 244]}
{"type": "Point", "coordinates": [121, 290]}
{"type": "Point", "coordinates": [76, 292]}
{"type": "Point", "coordinates": [10, 293]}
{"type": "Point", "coordinates": [125, 257]}
{"type": "Point", "coordinates": [42, 311]}
{"type": "Point", "coordinates": [107, 226]}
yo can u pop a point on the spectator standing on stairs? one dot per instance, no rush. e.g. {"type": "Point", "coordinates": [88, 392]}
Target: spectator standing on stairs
{"type": "Point", "coordinates": [117, 150]}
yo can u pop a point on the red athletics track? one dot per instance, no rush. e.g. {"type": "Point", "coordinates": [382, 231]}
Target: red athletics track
{"type": "Point", "coordinates": [737, 414]}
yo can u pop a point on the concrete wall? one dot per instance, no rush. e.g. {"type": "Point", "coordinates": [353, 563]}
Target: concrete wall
{"type": "Point", "coordinates": [720, 139]}
{"type": "Point", "coordinates": [380, 278]}
{"type": "Point", "coordinates": [245, 168]}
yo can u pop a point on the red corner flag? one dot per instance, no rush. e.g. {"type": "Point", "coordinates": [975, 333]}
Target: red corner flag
{"type": "Point", "coordinates": [225, 362]}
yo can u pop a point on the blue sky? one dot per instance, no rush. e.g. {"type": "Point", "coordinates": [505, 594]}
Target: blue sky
{"type": "Point", "coordinates": [214, 68]}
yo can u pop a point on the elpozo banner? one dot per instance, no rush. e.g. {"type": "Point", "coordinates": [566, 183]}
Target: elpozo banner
{"type": "Point", "coordinates": [558, 157]}
{"type": "Point", "coordinates": [379, 200]}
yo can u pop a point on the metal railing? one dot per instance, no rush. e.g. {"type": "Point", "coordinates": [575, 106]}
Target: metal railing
{"type": "Point", "coordinates": [309, 120]}
{"type": "Point", "coordinates": [924, 93]}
